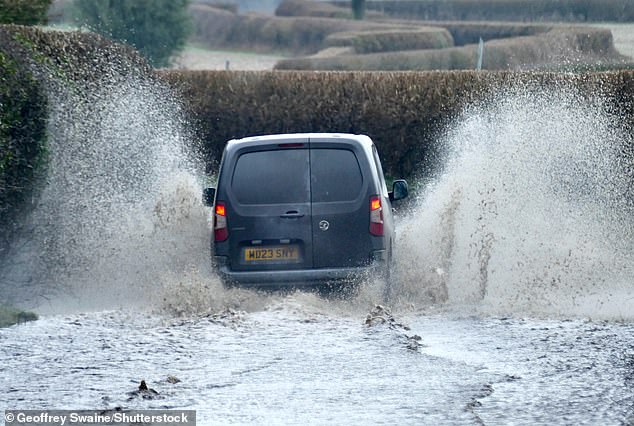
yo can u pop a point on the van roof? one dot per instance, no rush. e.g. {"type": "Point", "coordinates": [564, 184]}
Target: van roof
{"type": "Point", "coordinates": [303, 137]}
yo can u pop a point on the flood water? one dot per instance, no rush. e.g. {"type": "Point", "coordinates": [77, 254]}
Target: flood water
{"type": "Point", "coordinates": [302, 361]}
{"type": "Point", "coordinates": [513, 297]}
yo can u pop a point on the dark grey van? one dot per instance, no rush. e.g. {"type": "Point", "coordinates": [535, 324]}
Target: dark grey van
{"type": "Point", "coordinates": [301, 209]}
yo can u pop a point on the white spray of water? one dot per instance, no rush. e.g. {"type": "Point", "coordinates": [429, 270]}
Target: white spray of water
{"type": "Point", "coordinates": [121, 205]}
{"type": "Point", "coordinates": [530, 215]}
{"type": "Point", "coordinates": [120, 222]}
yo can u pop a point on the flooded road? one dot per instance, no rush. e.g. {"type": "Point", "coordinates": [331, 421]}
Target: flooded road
{"type": "Point", "coordinates": [301, 361]}
{"type": "Point", "coordinates": [512, 297]}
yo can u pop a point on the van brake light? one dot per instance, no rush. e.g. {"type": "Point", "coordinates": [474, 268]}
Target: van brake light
{"type": "Point", "coordinates": [376, 216]}
{"type": "Point", "coordinates": [221, 233]}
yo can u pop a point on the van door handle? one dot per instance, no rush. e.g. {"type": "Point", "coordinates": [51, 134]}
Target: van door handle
{"type": "Point", "coordinates": [292, 215]}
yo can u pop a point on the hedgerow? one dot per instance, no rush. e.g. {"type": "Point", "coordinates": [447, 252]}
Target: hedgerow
{"type": "Point", "coordinates": [22, 134]}
{"type": "Point", "coordinates": [505, 10]}
{"type": "Point", "coordinates": [404, 112]}
{"type": "Point", "coordinates": [218, 28]}
{"type": "Point", "coordinates": [32, 63]}
{"type": "Point", "coordinates": [554, 49]}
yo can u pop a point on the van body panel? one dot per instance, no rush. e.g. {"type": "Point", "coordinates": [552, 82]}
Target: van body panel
{"type": "Point", "coordinates": [341, 187]}
{"type": "Point", "coordinates": [297, 210]}
{"type": "Point", "coordinates": [268, 207]}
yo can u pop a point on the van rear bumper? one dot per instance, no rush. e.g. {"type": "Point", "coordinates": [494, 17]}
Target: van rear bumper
{"type": "Point", "coordinates": [300, 277]}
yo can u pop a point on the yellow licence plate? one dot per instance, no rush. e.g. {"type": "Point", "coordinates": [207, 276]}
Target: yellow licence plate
{"type": "Point", "coordinates": [271, 253]}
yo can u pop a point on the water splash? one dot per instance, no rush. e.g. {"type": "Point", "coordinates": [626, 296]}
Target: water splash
{"type": "Point", "coordinates": [120, 222]}
{"type": "Point", "coordinates": [530, 215]}
{"type": "Point", "coordinates": [121, 205]}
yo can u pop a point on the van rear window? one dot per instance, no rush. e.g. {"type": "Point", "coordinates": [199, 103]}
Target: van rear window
{"type": "Point", "coordinates": [336, 175]}
{"type": "Point", "coordinates": [272, 177]}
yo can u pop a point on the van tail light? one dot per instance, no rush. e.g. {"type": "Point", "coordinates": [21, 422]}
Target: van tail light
{"type": "Point", "coordinates": [221, 232]}
{"type": "Point", "coordinates": [376, 216]}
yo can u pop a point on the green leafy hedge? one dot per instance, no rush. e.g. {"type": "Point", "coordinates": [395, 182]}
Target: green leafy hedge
{"type": "Point", "coordinates": [22, 133]}
{"type": "Point", "coordinates": [158, 29]}
{"type": "Point", "coordinates": [24, 12]}
{"type": "Point", "coordinates": [32, 63]}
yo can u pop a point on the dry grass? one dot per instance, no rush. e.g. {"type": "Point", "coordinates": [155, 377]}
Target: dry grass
{"type": "Point", "coordinates": [198, 58]}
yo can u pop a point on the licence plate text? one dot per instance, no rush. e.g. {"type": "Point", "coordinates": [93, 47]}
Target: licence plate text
{"type": "Point", "coordinates": [271, 254]}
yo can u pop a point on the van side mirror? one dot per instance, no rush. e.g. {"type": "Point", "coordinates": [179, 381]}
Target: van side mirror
{"type": "Point", "coordinates": [208, 196]}
{"type": "Point", "coordinates": [399, 190]}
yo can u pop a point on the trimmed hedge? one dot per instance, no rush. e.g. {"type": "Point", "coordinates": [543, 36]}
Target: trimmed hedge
{"type": "Point", "coordinates": [312, 8]}
{"type": "Point", "coordinates": [389, 40]}
{"type": "Point", "coordinates": [560, 47]}
{"type": "Point", "coordinates": [320, 9]}
{"type": "Point", "coordinates": [463, 32]}
{"type": "Point", "coordinates": [470, 32]}
{"type": "Point", "coordinates": [394, 109]}
{"type": "Point", "coordinates": [219, 4]}
{"type": "Point", "coordinates": [216, 28]}
{"type": "Point", "coordinates": [82, 58]}
{"type": "Point", "coordinates": [403, 45]}
{"type": "Point", "coordinates": [402, 111]}
{"type": "Point", "coordinates": [505, 10]}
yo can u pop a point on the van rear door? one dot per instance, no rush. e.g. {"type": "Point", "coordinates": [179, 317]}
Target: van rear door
{"type": "Point", "coordinates": [340, 207]}
{"type": "Point", "coordinates": [270, 216]}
